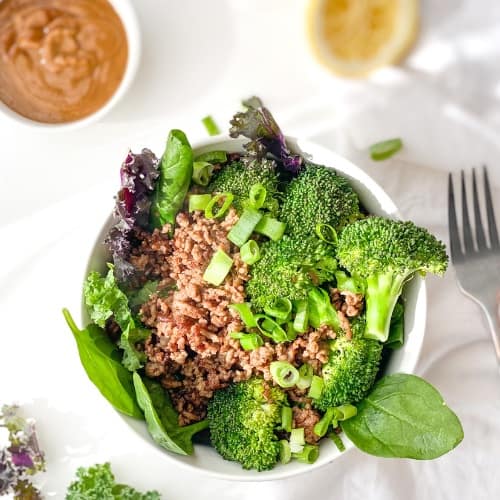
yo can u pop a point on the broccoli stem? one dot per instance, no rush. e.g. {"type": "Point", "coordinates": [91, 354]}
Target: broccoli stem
{"type": "Point", "coordinates": [382, 293]}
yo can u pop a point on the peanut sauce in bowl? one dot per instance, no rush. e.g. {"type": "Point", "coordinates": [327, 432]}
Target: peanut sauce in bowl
{"type": "Point", "coordinates": [60, 60]}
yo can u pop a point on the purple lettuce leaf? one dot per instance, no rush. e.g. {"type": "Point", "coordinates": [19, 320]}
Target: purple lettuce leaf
{"type": "Point", "coordinates": [138, 174]}
{"type": "Point", "coordinates": [258, 124]}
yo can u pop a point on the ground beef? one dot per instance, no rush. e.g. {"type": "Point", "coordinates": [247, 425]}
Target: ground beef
{"type": "Point", "coordinates": [306, 418]}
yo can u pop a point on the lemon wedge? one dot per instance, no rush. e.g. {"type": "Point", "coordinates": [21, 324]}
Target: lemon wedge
{"type": "Point", "coordinates": [355, 37]}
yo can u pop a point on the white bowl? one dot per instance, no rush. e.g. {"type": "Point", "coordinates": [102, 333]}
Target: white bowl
{"type": "Point", "coordinates": [126, 12]}
{"type": "Point", "coordinates": [205, 459]}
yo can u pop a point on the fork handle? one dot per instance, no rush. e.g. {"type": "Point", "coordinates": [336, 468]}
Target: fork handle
{"type": "Point", "coordinates": [492, 312]}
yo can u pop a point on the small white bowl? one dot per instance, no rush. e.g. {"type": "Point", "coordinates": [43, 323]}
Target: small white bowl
{"type": "Point", "coordinates": [205, 459]}
{"type": "Point", "coordinates": [126, 12]}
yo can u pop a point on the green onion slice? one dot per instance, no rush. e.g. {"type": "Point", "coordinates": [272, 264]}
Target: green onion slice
{"type": "Point", "coordinates": [308, 455]}
{"type": "Point", "coordinates": [301, 321]}
{"type": "Point", "coordinates": [245, 226]}
{"type": "Point", "coordinates": [316, 387]}
{"type": "Point", "coordinates": [321, 427]}
{"type": "Point", "coordinates": [250, 252]}
{"type": "Point", "coordinates": [257, 196]}
{"type": "Point", "coordinates": [344, 412]}
{"type": "Point", "coordinates": [212, 157]}
{"type": "Point", "coordinates": [338, 441]}
{"type": "Point", "coordinates": [225, 198]}
{"type": "Point", "coordinates": [270, 328]}
{"type": "Point", "coordinates": [284, 374]}
{"type": "Point", "coordinates": [218, 268]}
{"type": "Point", "coordinates": [291, 333]}
{"type": "Point", "coordinates": [297, 439]}
{"type": "Point", "coordinates": [245, 313]}
{"type": "Point", "coordinates": [210, 125]}
{"type": "Point", "coordinates": [385, 149]}
{"type": "Point", "coordinates": [198, 201]}
{"type": "Point", "coordinates": [326, 233]}
{"type": "Point", "coordinates": [286, 418]}
{"type": "Point", "coordinates": [285, 451]}
{"type": "Point", "coordinates": [272, 228]}
{"type": "Point", "coordinates": [305, 376]}
{"type": "Point", "coordinates": [280, 309]}
{"type": "Point", "coordinates": [202, 171]}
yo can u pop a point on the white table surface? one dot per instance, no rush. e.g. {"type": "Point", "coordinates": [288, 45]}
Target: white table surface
{"type": "Point", "coordinates": [201, 58]}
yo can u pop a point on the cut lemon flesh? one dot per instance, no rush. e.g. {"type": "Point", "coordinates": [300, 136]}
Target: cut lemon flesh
{"type": "Point", "coordinates": [355, 37]}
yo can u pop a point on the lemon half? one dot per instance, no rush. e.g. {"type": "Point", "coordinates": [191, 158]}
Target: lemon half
{"type": "Point", "coordinates": [355, 37]}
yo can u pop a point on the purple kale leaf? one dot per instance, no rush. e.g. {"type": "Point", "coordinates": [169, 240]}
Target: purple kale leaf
{"type": "Point", "coordinates": [257, 123]}
{"type": "Point", "coordinates": [138, 174]}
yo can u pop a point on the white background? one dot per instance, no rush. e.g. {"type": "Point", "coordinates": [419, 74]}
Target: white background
{"type": "Point", "coordinates": [201, 58]}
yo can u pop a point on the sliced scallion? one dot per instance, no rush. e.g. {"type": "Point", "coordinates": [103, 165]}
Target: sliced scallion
{"type": "Point", "coordinates": [308, 455]}
{"type": "Point", "coordinates": [326, 233]}
{"type": "Point", "coordinates": [316, 387]}
{"type": "Point", "coordinates": [250, 252]}
{"type": "Point", "coordinates": [225, 198]}
{"type": "Point", "coordinates": [210, 125]}
{"type": "Point", "coordinates": [385, 149]}
{"type": "Point", "coordinates": [280, 309]}
{"type": "Point", "coordinates": [245, 313]}
{"type": "Point", "coordinates": [301, 320]}
{"type": "Point", "coordinates": [218, 268]}
{"type": "Point", "coordinates": [272, 228]}
{"type": "Point", "coordinates": [284, 374]}
{"type": "Point", "coordinates": [251, 341]}
{"type": "Point", "coordinates": [291, 333]}
{"type": "Point", "coordinates": [257, 196]}
{"type": "Point", "coordinates": [245, 226]}
{"type": "Point", "coordinates": [297, 440]}
{"type": "Point", "coordinates": [212, 157]}
{"type": "Point", "coordinates": [270, 328]}
{"type": "Point", "coordinates": [321, 428]}
{"type": "Point", "coordinates": [285, 451]}
{"type": "Point", "coordinates": [286, 418]}
{"type": "Point", "coordinates": [344, 412]}
{"type": "Point", "coordinates": [202, 171]}
{"type": "Point", "coordinates": [198, 201]}
{"type": "Point", "coordinates": [338, 441]}
{"type": "Point", "coordinates": [305, 376]}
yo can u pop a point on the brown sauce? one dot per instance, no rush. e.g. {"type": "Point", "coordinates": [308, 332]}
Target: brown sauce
{"type": "Point", "coordinates": [60, 60]}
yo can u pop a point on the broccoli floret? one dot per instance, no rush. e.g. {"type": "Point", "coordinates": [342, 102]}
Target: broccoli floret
{"type": "Point", "coordinates": [350, 371]}
{"type": "Point", "coordinates": [290, 268]}
{"type": "Point", "coordinates": [318, 195]}
{"type": "Point", "coordinates": [387, 253]}
{"type": "Point", "coordinates": [243, 419]}
{"type": "Point", "coordinates": [239, 176]}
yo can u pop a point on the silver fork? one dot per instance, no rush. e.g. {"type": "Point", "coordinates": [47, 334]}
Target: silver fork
{"type": "Point", "coordinates": [477, 262]}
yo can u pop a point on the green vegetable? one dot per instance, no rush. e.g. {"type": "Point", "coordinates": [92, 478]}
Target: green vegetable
{"type": "Point", "coordinates": [212, 157]}
{"type": "Point", "coordinates": [351, 284]}
{"type": "Point", "coordinates": [272, 228]}
{"type": "Point", "coordinates": [297, 437]}
{"type": "Point", "coordinates": [225, 198]}
{"type": "Point", "coordinates": [337, 441]}
{"type": "Point", "coordinates": [316, 387]}
{"type": "Point", "coordinates": [161, 418]}
{"type": "Point", "coordinates": [238, 178]}
{"type": "Point", "coordinates": [270, 328]}
{"type": "Point", "coordinates": [318, 196]}
{"type": "Point", "coordinates": [250, 252]}
{"type": "Point", "coordinates": [248, 341]}
{"type": "Point", "coordinates": [280, 310]}
{"type": "Point", "coordinates": [385, 149]}
{"type": "Point", "coordinates": [396, 328]}
{"type": "Point", "coordinates": [139, 297]}
{"type": "Point", "coordinates": [285, 451]}
{"type": "Point", "coordinates": [326, 233]}
{"type": "Point", "coordinates": [321, 310]}
{"type": "Point", "coordinates": [344, 412]}
{"type": "Point", "coordinates": [105, 300]}
{"type": "Point", "coordinates": [308, 455]}
{"type": "Point", "coordinates": [284, 374]}
{"type": "Point", "coordinates": [218, 268]}
{"type": "Point", "coordinates": [243, 419]}
{"type": "Point", "coordinates": [245, 226]}
{"type": "Point", "coordinates": [257, 196]}
{"type": "Point", "coordinates": [305, 376]}
{"type": "Point", "coordinates": [289, 268]}
{"type": "Point", "coordinates": [387, 253]}
{"type": "Point", "coordinates": [321, 427]}
{"type": "Point", "coordinates": [245, 313]}
{"type": "Point", "coordinates": [101, 360]}
{"type": "Point", "coordinates": [405, 417]}
{"type": "Point", "coordinates": [351, 368]}
{"type": "Point", "coordinates": [286, 418]}
{"type": "Point", "coordinates": [202, 172]}
{"type": "Point", "coordinates": [198, 202]}
{"type": "Point", "coordinates": [98, 483]}
{"type": "Point", "coordinates": [210, 125]}
{"type": "Point", "coordinates": [301, 320]}
{"type": "Point", "coordinates": [176, 170]}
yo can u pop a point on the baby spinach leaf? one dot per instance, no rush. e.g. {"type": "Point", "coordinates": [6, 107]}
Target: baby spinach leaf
{"type": "Point", "coordinates": [176, 170]}
{"type": "Point", "coordinates": [161, 417]}
{"type": "Point", "coordinates": [102, 362]}
{"type": "Point", "coordinates": [405, 417]}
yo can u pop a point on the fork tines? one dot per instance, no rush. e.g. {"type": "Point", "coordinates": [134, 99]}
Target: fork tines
{"type": "Point", "coordinates": [473, 240]}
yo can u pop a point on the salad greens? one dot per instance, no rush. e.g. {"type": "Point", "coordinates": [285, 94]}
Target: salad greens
{"type": "Point", "coordinates": [176, 170]}
{"type": "Point", "coordinates": [98, 483]}
{"type": "Point", "coordinates": [101, 360]}
{"type": "Point", "coordinates": [161, 417]}
{"type": "Point", "coordinates": [405, 417]}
